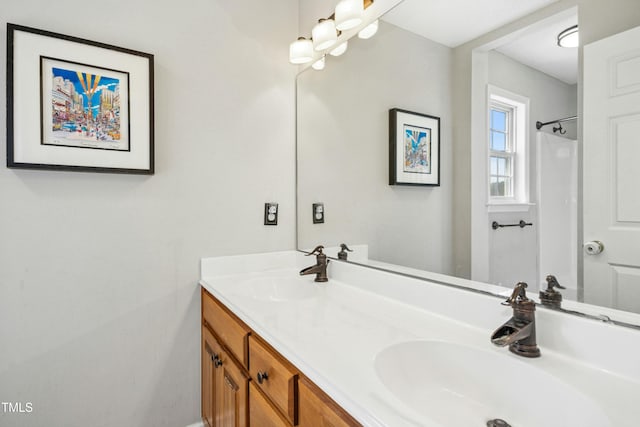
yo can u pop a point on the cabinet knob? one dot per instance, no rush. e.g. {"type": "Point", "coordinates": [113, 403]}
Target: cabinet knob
{"type": "Point", "coordinates": [262, 377]}
{"type": "Point", "coordinates": [216, 361]}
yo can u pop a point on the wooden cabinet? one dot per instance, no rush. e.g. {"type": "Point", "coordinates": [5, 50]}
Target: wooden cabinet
{"type": "Point", "coordinates": [231, 393]}
{"type": "Point", "coordinates": [208, 378]}
{"type": "Point", "coordinates": [319, 410]}
{"type": "Point", "coordinates": [261, 411]}
{"type": "Point", "coordinates": [225, 382]}
{"type": "Point", "coordinates": [245, 382]}
{"type": "Point", "coordinates": [275, 376]}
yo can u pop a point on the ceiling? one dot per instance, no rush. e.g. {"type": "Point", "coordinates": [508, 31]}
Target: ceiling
{"type": "Point", "coordinates": [455, 22]}
{"type": "Point", "coordinates": [537, 47]}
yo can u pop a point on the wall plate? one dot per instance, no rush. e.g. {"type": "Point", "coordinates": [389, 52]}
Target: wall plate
{"type": "Point", "coordinates": [318, 213]}
{"type": "Point", "coordinates": [270, 213]}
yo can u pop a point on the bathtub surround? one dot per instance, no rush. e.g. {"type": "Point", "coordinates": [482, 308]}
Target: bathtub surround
{"type": "Point", "coordinates": [98, 310]}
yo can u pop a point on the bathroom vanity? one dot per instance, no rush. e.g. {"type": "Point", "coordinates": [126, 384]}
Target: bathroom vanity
{"type": "Point", "coordinates": [377, 349]}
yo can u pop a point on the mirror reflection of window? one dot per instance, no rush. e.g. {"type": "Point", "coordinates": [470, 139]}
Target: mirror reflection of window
{"type": "Point", "coordinates": [501, 150]}
{"type": "Point", "coordinates": [508, 163]}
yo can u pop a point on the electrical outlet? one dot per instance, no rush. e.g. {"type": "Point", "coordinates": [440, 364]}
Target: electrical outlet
{"type": "Point", "coordinates": [318, 213]}
{"type": "Point", "coordinates": [270, 213]}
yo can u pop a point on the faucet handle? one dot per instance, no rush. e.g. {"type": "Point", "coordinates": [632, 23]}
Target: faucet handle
{"type": "Point", "coordinates": [344, 247]}
{"type": "Point", "coordinates": [316, 251]}
{"type": "Point", "coordinates": [552, 282]}
{"type": "Point", "coordinates": [518, 295]}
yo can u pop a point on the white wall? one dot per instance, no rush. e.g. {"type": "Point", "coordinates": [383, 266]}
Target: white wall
{"type": "Point", "coordinates": [99, 304]}
{"type": "Point", "coordinates": [513, 251]}
{"type": "Point", "coordinates": [343, 148]}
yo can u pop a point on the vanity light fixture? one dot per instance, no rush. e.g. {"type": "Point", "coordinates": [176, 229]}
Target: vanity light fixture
{"type": "Point", "coordinates": [339, 50]}
{"type": "Point", "coordinates": [348, 14]}
{"type": "Point", "coordinates": [319, 64]}
{"type": "Point", "coordinates": [369, 30]}
{"type": "Point", "coordinates": [301, 51]}
{"type": "Point", "coordinates": [324, 34]}
{"type": "Point", "coordinates": [569, 37]}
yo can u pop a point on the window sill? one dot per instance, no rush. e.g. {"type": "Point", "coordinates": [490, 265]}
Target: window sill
{"type": "Point", "coordinates": [509, 207]}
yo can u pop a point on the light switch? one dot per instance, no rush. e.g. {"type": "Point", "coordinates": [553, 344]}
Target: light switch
{"type": "Point", "coordinates": [270, 213]}
{"type": "Point", "coordinates": [318, 213]}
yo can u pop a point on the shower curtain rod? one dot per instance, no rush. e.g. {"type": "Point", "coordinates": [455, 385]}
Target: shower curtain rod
{"type": "Point", "coordinates": [566, 119]}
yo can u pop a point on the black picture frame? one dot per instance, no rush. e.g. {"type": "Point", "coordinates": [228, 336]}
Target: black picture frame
{"type": "Point", "coordinates": [414, 148]}
{"type": "Point", "coordinates": [94, 103]}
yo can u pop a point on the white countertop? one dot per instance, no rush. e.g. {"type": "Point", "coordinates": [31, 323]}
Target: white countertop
{"type": "Point", "coordinates": [334, 337]}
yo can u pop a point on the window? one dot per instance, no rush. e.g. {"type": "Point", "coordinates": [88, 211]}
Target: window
{"type": "Point", "coordinates": [508, 177]}
{"type": "Point", "coordinates": [501, 150]}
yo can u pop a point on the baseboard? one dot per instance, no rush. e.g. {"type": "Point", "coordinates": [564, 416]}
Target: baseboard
{"type": "Point", "coordinates": [198, 424]}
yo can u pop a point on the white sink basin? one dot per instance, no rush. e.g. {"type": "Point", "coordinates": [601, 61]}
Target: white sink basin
{"type": "Point", "coordinates": [278, 288]}
{"type": "Point", "coordinates": [457, 385]}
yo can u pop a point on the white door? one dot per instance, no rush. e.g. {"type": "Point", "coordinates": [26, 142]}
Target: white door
{"type": "Point", "coordinates": [611, 139]}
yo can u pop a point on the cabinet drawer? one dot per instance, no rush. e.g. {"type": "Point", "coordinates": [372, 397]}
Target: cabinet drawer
{"type": "Point", "coordinates": [226, 326]}
{"type": "Point", "coordinates": [281, 382]}
{"type": "Point", "coordinates": [261, 413]}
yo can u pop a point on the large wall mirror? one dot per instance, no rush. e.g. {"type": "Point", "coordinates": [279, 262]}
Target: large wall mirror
{"type": "Point", "coordinates": [515, 203]}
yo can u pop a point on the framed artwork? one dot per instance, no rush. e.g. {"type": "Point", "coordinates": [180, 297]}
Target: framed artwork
{"type": "Point", "coordinates": [414, 148]}
{"type": "Point", "coordinates": [77, 105]}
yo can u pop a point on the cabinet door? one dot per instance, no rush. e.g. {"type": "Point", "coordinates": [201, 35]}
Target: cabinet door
{"type": "Point", "coordinates": [319, 410]}
{"type": "Point", "coordinates": [231, 393]}
{"type": "Point", "coordinates": [208, 378]}
{"type": "Point", "coordinates": [262, 413]}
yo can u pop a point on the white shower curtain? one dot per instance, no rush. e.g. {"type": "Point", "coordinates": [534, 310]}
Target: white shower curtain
{"type": "Point", "coordinates": [557, 188]}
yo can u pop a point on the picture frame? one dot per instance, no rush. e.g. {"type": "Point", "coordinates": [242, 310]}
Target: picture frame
{"type": "Point", "coordinates": [78, 105]}
{"type": "Point", "coordinates": [414, 148]}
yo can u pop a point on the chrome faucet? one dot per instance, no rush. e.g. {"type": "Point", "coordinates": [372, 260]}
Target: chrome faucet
{"type": "Point", "coordinates": [550, 297]}
{"type": "Point", "coordinates": [519, 332]}
{"type": "Point", "coordinates": [320, 268]}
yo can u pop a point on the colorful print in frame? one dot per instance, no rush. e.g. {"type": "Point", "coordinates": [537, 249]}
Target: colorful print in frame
{"type": "Point", "coordinates": [417, 149]}
{"type": "Point", "coordinates": [78, 105]}
{"type": "Point", "coordinates": [414, 148]}
{"type": "Point", "coordinates": [84, 106]}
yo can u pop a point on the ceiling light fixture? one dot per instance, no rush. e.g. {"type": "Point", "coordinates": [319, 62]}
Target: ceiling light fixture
{"type": "Point", "coordinates": [348, 14]}
{"type": "Point", "coordinates": [569, 37]}
{"type": "Point", "coordinates": [339, 50]}
{"type": "Point", "coordinates": [369, 30]}
{"type": "Point", "coordinates": [301, 51]}
{"type": "Point", "coordinates": [324, 34]}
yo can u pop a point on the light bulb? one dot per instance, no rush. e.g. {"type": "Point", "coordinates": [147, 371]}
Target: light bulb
{"type": "Point", "coordinates": [339, 50]}
{"type": "Point", "coordinates": [348, 14]}
{"type": "Point", "coordinates": [319, 64]}
{"type": "Point", "coordinates": [324, 34]}
{"type": "Point", "coordinates": [301, 51]}
{"type": "Point", "coordinates": [369, 30]}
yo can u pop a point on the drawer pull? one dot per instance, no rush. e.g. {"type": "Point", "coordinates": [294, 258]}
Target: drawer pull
{"type": "Point", "coordinates": [216, 361]}
{"type": "Point", "coordinates": [262, 377]}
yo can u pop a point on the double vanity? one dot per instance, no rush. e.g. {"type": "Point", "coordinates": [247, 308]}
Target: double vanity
{"type": "Point", "coordinates": [377, 349]}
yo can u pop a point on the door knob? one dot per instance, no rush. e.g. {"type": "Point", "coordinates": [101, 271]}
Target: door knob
{"type": "Point", "coordinates": [593, 247]}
